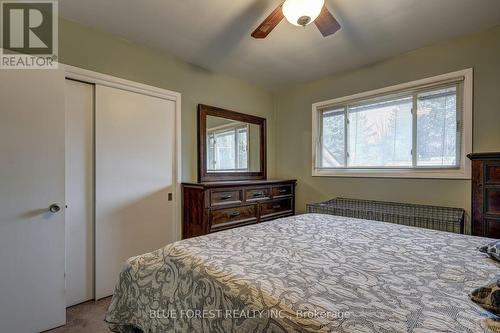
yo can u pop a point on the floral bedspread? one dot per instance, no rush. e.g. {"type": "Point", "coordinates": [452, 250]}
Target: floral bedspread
{"type": "Point", "coordinates": [307, 273]}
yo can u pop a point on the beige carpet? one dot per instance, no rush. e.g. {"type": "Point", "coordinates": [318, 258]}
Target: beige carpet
{"type": "Point", "coordinates": [87, 317]}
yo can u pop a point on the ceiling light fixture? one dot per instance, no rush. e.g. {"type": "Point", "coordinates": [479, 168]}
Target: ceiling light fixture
{"type": "Point", "coordinates": [302, 12]}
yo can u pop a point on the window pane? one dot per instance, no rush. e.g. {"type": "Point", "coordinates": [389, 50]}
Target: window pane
{"type": "Point", "coordinates": [242, 149]}
{"type": "Point", "coordinates": [332, 154]}
{"type": "Point", "coordinates": [437, 128]}
{"type": "Point", "coordinates": [225, 151]}
{"type": "Point", "coordinates": [380, 134]}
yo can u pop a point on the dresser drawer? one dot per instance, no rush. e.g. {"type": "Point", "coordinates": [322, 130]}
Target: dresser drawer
{"type": "Point", "coordinates": [253, 194]}
{"type": "Point", "coordinates": [282, 190]}
{"type": "Point", "coordinates": [221, 197]}
{"type": "Point", "coordinates": [230, 216]}
{"type": "Point", "coordinates": [275, 207]}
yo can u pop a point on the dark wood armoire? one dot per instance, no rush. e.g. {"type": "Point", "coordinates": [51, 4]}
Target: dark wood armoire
{"type": "Point", "coordinates": [485, 194]}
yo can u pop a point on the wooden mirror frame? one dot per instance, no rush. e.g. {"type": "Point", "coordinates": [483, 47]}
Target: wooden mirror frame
{"type": "Point", "coordinates": [203, 174]}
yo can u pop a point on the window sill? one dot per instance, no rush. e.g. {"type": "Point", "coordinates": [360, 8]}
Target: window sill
{"type": "Point", "coordinates": [394, 173]}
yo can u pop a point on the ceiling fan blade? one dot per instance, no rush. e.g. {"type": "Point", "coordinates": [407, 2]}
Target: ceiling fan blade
{"type": "Point", "coordinates": [269, 23]}
{"type": "Point", "coordinates": [326, 23]}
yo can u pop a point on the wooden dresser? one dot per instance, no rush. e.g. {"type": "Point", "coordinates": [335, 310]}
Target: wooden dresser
{"type": "Point", "coordinates": [215, 206]}
{"type": "Point", "coordinates": [486, 194]}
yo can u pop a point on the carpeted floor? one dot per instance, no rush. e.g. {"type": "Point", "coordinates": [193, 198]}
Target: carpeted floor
{"type": "Point", "coordinates": [87, 317]}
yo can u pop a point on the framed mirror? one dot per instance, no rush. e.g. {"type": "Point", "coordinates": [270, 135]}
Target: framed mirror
{"type": "Point", "coordinates": [231, 145]}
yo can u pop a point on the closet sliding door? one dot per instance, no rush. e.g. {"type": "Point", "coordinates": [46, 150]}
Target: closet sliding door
{"type": "Point", "coordinates": [134, 170]}
{"type": "Point", "coordinates": [79, 98]}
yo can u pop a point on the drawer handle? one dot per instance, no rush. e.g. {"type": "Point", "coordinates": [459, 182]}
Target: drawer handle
{"type": "Point", "coordinates": [258, 194]}
{"type": "Point", "coordinates": [283, 191]}
{"type": "Point", "coordinates": [276, 206]}
{"type": "Point", "coordinates": [234, 214]}
{"type": "Point", "coordinates": [225, 197]}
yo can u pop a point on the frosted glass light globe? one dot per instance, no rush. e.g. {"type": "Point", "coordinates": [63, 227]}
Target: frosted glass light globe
{"type": "Point", "coordinates": [302, 12]}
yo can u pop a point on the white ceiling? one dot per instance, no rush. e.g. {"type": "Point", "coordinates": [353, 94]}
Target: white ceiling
{"type": "Point", "coordinates": [215, 34]}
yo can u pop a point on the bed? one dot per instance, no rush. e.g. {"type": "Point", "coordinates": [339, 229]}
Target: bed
{"type": "Point", "coordinates": [307, 273]}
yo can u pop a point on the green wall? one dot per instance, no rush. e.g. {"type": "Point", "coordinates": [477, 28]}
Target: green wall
{"type": "Point", "coordinates": [95, 50]}
{"type": "Point", "coordinates": [293, 118]}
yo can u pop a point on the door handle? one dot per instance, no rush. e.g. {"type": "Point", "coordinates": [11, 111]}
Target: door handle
{"type": "Point", "coordinates": [54, 208]}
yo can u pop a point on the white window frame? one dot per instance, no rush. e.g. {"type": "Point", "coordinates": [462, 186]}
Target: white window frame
{"type": "Point", "coordinates": [462, 172]}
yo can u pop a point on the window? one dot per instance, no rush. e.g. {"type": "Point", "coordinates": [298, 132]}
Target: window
{"type": "Point", "coordinates": [418, 129]}
{"type": "Point", "coordinates": [227, 149]}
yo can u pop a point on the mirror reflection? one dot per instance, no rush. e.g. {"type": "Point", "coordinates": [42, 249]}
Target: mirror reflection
{"type": "Point", "coordinates": [232, 146]}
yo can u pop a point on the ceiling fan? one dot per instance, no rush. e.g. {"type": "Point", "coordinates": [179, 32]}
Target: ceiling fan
{"type": "Point", "coordinates": [300, 13]}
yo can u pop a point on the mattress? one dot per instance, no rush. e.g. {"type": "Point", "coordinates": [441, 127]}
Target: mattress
{"type": "Point", "coordinates": [307, 273]}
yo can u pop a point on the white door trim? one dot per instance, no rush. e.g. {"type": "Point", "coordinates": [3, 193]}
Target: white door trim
{"type": "Point", "coordinates": [85, 75]}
